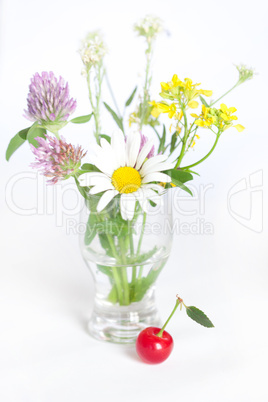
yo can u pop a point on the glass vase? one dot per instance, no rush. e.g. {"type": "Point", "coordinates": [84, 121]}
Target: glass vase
{"type": "Point", "coordinates": [125, 259]}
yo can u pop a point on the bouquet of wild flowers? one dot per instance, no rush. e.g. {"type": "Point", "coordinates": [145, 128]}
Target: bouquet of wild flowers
{"type": "Point", "coordinates": [130, 174]}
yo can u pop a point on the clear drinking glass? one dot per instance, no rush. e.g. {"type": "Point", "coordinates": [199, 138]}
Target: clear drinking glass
{"type": "Point", "coordinates": [125, 259]}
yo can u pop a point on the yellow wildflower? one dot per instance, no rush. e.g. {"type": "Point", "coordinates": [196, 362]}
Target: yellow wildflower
{"type": "Point", "coordinates": [155, 111]}
{"type": "Point", "coordinates": [226, 113]}
{"type": "Point", "coordinates": [194, 142]}
{"type": "Point", "coordinates": [175, 82]}
{"type": "Point", "coordinates": [163, 108]}
{"type": "Point", "coordinates": [205, 119]}
{"type": "Point", "coordinates": [132, 118]}
{"type": "Point", "coordinates": [239, 127]}
{"type": "Point", "coordinates": [193, 104]}
{"type": "Point", "coordinates": [190, 92]}
{"type": "Point", "coordinates": [227, 118]}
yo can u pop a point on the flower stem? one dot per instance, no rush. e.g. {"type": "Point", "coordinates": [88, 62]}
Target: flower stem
{"type": "Point", "coordinates": [213, 103]}
{"type": "Point", "coordinates": [123, 271]}
{"type": "Point", "coordinates": [116, 271]}
{"type": "Point", "coordinates": [96, 107]}
{"type": "Point", "coordinates": [146, 87]}
{"type": "Point", "coordinates": [207, 155]}
{"type": "Point", "coordinates": [185, 137]}
{"type": "Point", "coordinates": [140, 242]}
{"type": "Point", "coordinates": [178, 302]}
{"type": "Point", "coordinates": [112, 94]}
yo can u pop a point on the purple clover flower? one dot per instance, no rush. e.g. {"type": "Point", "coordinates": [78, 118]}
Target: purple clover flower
{"type": "Point", "coordinates": [48, 99]}
{"type": "Point", "coordinates": [56, 159]}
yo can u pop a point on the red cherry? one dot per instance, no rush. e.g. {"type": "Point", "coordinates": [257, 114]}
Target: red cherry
{"type": "Point", "coordinates": [152, 348]}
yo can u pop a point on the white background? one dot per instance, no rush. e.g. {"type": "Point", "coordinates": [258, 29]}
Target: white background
{"type": "Point", "coordinates": [46, 354]}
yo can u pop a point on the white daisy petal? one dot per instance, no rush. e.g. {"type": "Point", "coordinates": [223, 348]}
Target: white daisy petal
{"type": "Point", "coordinates": [127, 206]}
{"type": "Point", "coordinates": [158, 167]}
{"type": "Point", "coordinates": [153, 161]}
{"type": "Point", "coordinates": [105, 199]}
{"type": "Point", "coordinates": [157, 176]}
{"type": "Point", "coordinates": [174, 156]}
{"type": "Point", "coordinates": [101, 187]}
{"type": "Point", "coordinates": [143, 154]}
{"type": "Point", "coordinates": [133, 147]}
{"type": "Point", "coordinates": [105, 144]}
{"type": "Point", "coordinates": [145, 205]}
{"type": "Point", "coordinates": [106, 163]}
{"type": "Point", "coordinates": [119, 146]}
{"type": "Point", "coordinates": [91, 178]}
{"type": "Point", "coordinates": [122, 209]}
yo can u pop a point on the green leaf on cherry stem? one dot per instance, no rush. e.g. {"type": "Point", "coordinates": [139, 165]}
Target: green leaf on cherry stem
{"type": "Point", "coordinates": [199, 317]}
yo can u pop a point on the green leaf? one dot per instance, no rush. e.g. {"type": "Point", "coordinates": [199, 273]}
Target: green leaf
{"type": "Point", "coordinates": [198, 316]}
{"type": "Point", "coordinates": [82, 190]}
{"type": "Point", "coordinates": [117, 119]}
{"type": "Point", "coordinates": [173, 141]}
{"type": "Point", "coordinates": [179, 177]}
{"type": "Point", "coordinates": [88, 167]}
{"type": "Point", "coordinates": [16, 142]}
{"type": "Point", "coordinates": [54, 127]}
{"type": "Point", "coordinates": [164, 95]}
{"type": "Point", "coordinates": [106, 137]}
{"type": "Point", "coordinates": [35, 131]}
{"type": "Point", "coordinates": [203, 101]}
{"type": "Point", "coordinates": [130, 99]}
{"type": "Point", "coordinates": [192, 171]}
{"type": "Point", "coordinates": [153, 204]}
{"type": "Point", "coordinates": [106, 270]}
{"type": "Point", "coordinates": [82, 119]}
{"type": "Point", "coordinates": [142, 258]}
{"type": "Point", "coordinates": [112, 227]}
{"type": "Point", "coordinates": [90, 229]}
{"type": "Point", "coordinates": [162, 140]}
{"type": "Point", "coordinates": [105, 244]}
{"type": "Point", "coordinates": [142, 285]}
{"type": "Point", "coordinates": [182, 186]}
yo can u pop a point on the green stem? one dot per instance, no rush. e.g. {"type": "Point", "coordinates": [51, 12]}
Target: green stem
{"type": "Point", "coordinates": [112, 94]}
{"type": "Point", "coordinates": [131, 243]}
{"type": "Point", "coordinates": [117, 281]}
{"type": "Point", "coordinates": [123, 271]}
{"type": "Point", "coordinates": [185, 137]}
{"type": "Point", "coordinates": [213, 103]}
{"type": "Point", "coordinates": [146, 84]}
{"type": "Point", "coordinates": [115, 270]}
{"type": "Point", "coordinates": [207, 155]}
{"type": "Point", "coordinates": [96, 108]}
{"type": "Point", "coordinates": [160, 333]}
{"type": "Point", "coordinates": [140, 242]}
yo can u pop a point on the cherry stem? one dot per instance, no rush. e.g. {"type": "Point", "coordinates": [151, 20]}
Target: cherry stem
{"type": "Point", "coordinates": [178, 302]}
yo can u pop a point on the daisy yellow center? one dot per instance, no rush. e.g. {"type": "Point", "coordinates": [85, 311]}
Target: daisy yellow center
{"type": "Point", "coordinates": [126, 180]}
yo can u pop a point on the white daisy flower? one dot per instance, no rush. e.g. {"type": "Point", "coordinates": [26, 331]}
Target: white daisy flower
{"type": "Point", "coordinates": [125, 170]}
